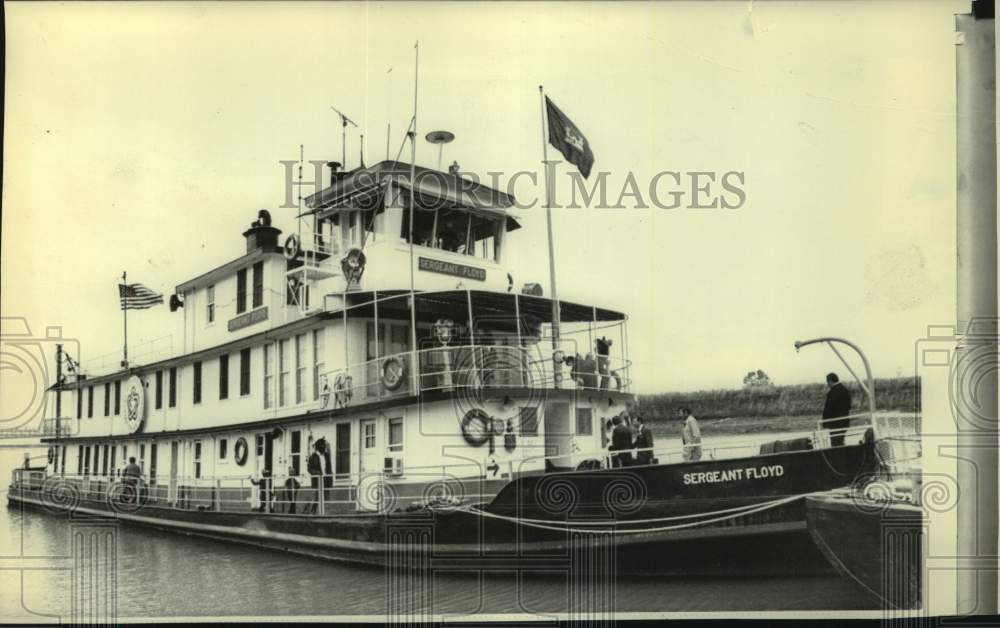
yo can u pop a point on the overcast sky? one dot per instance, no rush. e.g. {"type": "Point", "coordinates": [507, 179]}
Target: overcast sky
{"type": "Point", "coordinates": [146, 136]}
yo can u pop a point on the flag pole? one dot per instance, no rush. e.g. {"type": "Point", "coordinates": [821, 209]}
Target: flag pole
{"type": "Point", "coordinates": [121, 301]}
{"type": "Point", "coordinates": [548, 220]}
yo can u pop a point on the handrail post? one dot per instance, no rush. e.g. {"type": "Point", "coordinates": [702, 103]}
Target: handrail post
{"type": "Point", "coordinates": [322, 494]}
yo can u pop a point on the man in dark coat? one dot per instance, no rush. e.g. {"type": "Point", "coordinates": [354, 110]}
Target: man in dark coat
{"type": "Point", "coordinates": [621, 443]}
{"type": "Point", "coordinates": [643, 441]}
{"type": "Point", "coordinates": [132, 476]}
{"type": "Point", "coordinates": [315, 468]}
{"type": "Point", "coordinates": [838, 404]}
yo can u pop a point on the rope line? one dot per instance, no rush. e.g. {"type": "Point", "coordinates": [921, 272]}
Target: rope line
{"type": "Point", "coordinates": [566, 528]}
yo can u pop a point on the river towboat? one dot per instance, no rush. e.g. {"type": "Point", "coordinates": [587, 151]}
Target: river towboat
{"type": "Point", "coordinates": [449, 411]}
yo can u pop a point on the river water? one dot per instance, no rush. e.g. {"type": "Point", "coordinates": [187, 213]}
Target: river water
{"type": "Point", "coordinates": [160, 574]}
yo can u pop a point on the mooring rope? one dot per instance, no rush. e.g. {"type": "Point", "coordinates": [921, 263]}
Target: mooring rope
{"type": "Point", "coordinates": [565, 526]}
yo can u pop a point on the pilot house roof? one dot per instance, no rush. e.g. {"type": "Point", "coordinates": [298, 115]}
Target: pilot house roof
{"type": "Point", "coordinates": [435, 190]}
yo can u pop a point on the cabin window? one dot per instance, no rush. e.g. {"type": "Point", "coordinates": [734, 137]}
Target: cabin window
{"type": "Point", "coordinates": [86, 460]}
{"type": "Point", "coordinates": [282, 372]}
{"type": "Point", "coordinates": [172, 393]}
{"type": "Point", "coordinates": [268, 376]}
{"type": "Point", "coordinates": [300, 368]}
{"type": "Point", "coordinates": [197, 459]}
{"type": "Point", "coordinates": [396, 435]}
{"type": "Point", "coordinates": [318, 365]}
{"type": "Point", "coordinates": [245, 372]}
{"type": "Point", "coordinates": [114, 450]}
{"type": "Point", "coordinates": [152, 463]}
{"type": "Point", "coordinates": [296, 452]}
{"type": "Point", "coordinates": [223, 444]}
{"type": "Point", "coordinates": [342, 465]}
{"type": "Point", "coordinates": [159, 390]}
{"type": "Point", "coordinates": [584, 422]}
{"type": "Point", "coordinates": [90, 402]}
{"type": "Point", "coordinates": [79, 403]}
{"type": "Point", "coordinates": [529, 421]}
{"type": "Point", "coordinates": [260, 445]}
{"type": "Point", "coordinates": [79, 461]}
{"type": "Point", "coordinates": [196, 392]}
{"type": "Point", "coordinates": [107, 398]}
{"type": "Point", "coordinates": [210, 306]}
{"type": "Point", "coordinates": [224, 376]}
{"type": "Point", "coordinates": [104, 461]}
{"type": "Point", "coordinates": [370, 435]}
{"type": "Point", "coordinates": [62, 461]}
{"type": "Point", "coordinates": [142, 456]}
{"type": "Point", "coordinates": [258, 284]}
{"type": "Point", "coordinates": [118, 397]}
{"type": "Point", "coordinates": [241, 291]}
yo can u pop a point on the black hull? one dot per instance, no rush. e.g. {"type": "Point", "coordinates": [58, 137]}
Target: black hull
{"type": "Point", "coordinates": [704, 528]}
{"type": "Point", "coordinates": [880, 549]}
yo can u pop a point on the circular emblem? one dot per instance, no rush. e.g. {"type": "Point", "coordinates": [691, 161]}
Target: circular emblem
{"type": "Point", "coordinates": [476, 427]}
{"type": "Point", "coordinates": [353, 265]}
{"type": "Point", "coordinates": [393, 373]}
{"type": "Point", "coordinates": [135, 394]}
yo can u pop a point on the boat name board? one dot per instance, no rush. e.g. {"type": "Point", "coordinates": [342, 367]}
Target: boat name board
{"type": "Point", "coordinates": [449, 268]}
{"type": "Point", "coordinates": [250, 318]}
{"type": "Point", "coordinates": [733, 475]}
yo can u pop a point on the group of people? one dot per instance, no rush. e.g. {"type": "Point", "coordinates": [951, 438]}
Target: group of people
{"type": "Point", "coordinates": [627, 433]}
{"type": "Point", "coordinates": [593, 373]}
{"type": "Point", "coordinates": [288, 497]}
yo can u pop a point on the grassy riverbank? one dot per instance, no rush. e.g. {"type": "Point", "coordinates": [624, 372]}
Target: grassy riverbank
{"type": "Point", "coordinates": [771, 409]}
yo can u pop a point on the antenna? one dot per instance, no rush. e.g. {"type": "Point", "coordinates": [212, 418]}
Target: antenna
{"type": "Point", "coordinates": [440, 138]}
{"type": "Point", "coordinates": [344, 121]}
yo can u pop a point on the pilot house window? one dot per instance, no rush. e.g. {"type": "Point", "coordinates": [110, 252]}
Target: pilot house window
{"type": "Point", "coordinates": [210, 306]}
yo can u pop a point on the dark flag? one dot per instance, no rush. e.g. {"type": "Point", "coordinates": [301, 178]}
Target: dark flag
{"type": "Point", "coordinates": [135, 296]}
{"type": "Point", "coordinates": [566, 137]}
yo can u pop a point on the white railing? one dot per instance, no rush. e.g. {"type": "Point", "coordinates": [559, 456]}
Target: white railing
{"type": "Point", "coordinates": [466, 366]}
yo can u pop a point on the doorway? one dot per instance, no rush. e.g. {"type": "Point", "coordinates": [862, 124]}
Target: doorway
{"type": "Point", "coordinates": [558, 436]}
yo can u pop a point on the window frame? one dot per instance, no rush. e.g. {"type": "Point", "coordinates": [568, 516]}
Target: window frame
{"type": "Point", "coordinates": [196, 383]}
{"type": "Point", "coordinates": [245, 358]}
{"type": "Point", "coordinates": [241, 290]}
{"type": "Point", "coordinates": [395, 447]}
{"type": "Point", "coordinates": [223, 377]}
{"type": "Point", "coordinates": [210, 304]}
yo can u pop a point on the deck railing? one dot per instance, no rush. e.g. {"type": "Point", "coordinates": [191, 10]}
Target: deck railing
{"type": "Point", "coordinates": [468, 366]}
{"type": "Point", "coordinates": [370, 491]}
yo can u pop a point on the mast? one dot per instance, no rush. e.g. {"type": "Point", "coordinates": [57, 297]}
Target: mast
{"type": "Point", "coordinates": [548, 221]}
{"type": "Point", "coordinates": [125, 319]}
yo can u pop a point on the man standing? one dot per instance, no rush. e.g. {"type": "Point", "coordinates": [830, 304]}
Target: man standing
{"type": "Point", "coordinates": [315, 468]}
{"type": "Point", "coordinates": [690, 435]}
{"type": "Point", "coordinates": [838, 404]}
{"type": "Point", "coordinates": [621, 443]}
{"type": "Point", "coordinates": [132, 474]}
{"type": "Point", "coordinates": [643, 442]}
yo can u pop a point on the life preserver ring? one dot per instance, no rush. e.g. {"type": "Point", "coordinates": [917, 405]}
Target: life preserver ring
{"type": "Point", "coordinates": [353, 265]}
{"type": "Point", "coordinates": [52, 455]}
{"type": "Point", "coordinates": [476, 427]}
{"type": "Point", "coordinates": [240, 451]}
{"type": "Point", "coordinates": [393, 373]}
{"type": "Point", "coordinates": [292, 247]}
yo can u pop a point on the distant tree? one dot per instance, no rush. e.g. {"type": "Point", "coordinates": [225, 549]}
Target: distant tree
{"type": "Point", "coordinates": [757, 379]}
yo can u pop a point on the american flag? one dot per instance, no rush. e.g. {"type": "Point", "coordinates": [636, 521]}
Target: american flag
{"type": "Point", "coordinates": [135, 296]}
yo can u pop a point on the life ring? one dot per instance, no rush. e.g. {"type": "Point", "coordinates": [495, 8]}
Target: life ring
{"type": "Point", "coordinates": [240, 451]}
{"type": "Point", "coordinates": [52, 455]}
{"type": "Point", "coordinates": [353, 265]}
{"type": "Point", "coordinates": [292, 247]}
{"type": "Point", "coordinates": [393, 373]}
{"type": "Point", "coordinates": [476, 427]}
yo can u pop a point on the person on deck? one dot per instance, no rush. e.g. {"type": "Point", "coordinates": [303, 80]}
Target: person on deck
{"type": "Point", "coordinates": [132, 476]}
{"type": "Point", "coordinates": [292, 486]}
{"type": "Point", "coordinates": [643, 442]}
{"type": "Point", "coordinates": [838, 404]}
{"type": "Point", "coordinates": [315, 468]}
{"type": "Point", "coordinates": [621, 443]}
{"type": "Point", "coordinates": [603, 347]}
{"type": "Point", "coordinates": [690, 435]}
